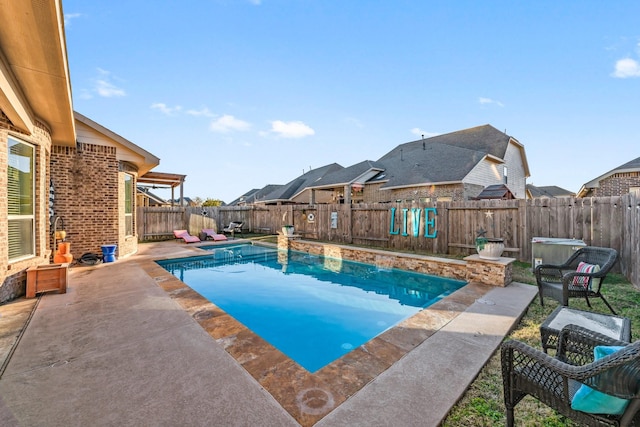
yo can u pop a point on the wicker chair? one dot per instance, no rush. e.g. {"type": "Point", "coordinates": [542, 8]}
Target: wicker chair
{"type": "Point", "coordinates": [555, 380]}
{"type": "Point", "coordinates": [559, 281]}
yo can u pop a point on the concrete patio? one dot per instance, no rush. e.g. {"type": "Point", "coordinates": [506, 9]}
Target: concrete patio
{"type": "Point", "coordinates": [116, 349]}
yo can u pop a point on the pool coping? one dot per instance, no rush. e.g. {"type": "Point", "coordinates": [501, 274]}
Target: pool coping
{"type": "Point", "coordinates": [118, 348]}
{"type": "Point", "coordinates": [308, 397]}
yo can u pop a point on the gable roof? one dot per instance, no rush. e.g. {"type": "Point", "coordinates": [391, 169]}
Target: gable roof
{"type": "Point", "coordinates": [293, 188]}
{"type": "Point", "coordinates": [416, 163]}
{"type": "Point", "coordinates": [358, 173]}
{"type": "Point", "coordinates": [153, 197]}
{"type": "Point", "coordinates": [446, 158]}
{"type": "Point", "coordinates": [255, 195]}
{"type": "Point", "coordinates": [144, 160]}
{"type": "Point", "coordinates": [632, 166]}
{"type": "Point", "coordinates": [548, 191]}
{"type": "Point", "coordinates": [34, 72]}
{"type": "Point", "coordinates": [496, 191]}
{"type": "Point", "coordinates": [483, 138]}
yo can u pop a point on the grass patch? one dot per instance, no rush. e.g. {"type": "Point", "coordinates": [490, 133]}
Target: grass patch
{"type": "Point", "coordinates": [483, 403]}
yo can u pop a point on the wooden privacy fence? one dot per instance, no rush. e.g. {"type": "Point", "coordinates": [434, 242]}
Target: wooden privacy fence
{"type": "Point", "coordinates": [440, 228]}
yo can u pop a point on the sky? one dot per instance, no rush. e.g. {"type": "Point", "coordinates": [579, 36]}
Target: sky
{"type": "Point", "coordinates": [238, 94]}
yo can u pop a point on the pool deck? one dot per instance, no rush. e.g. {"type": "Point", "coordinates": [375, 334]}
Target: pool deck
{"type": "Point", "coordinates": [123, 347]}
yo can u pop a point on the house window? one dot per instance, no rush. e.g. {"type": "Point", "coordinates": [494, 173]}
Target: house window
{"type": "Point", "coordinates": [21, 199]}
{"type": "Point", "coordinates": [128, 204]}
{"type": "Point", "coordinates": [505, 175]}
{"type": "Point", "coordinates": [634, 190]}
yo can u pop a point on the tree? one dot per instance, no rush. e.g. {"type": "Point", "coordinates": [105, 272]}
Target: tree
{"type": "Point", "coordinates": [212, 202]}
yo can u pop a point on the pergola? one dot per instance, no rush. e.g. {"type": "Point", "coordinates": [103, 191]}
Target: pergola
{"type": "Point", "coordinates": [164, 180]}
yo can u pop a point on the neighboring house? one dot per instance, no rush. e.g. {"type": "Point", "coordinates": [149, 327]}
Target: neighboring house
{"type": "Point", "coordinates": [454, 166]}
{"type": "Point", "coordinates": [185, 201]}
{"type": "Point", "coordinates": [94, 184]}
{"type": "Point", "coordinates": [345, 185]}
{"type": "Point", "coordinates": [254, 195]}
{"type": "Point", "coordinates": [299, 190]}
{"type": "Point", "coordinates": [551, 191]}
{"type": "Point", "coordinates": [36, 113]}
{"type": "Point", "coordinates": [622, 180]}
{"type": "Point", "coordinates": [144, 197]}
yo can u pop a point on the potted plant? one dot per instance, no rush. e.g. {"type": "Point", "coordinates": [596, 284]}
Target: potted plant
{"type": "Point", "coordinates": [287, 230]}
{"type": "Point", "coordinates": [489, 247]}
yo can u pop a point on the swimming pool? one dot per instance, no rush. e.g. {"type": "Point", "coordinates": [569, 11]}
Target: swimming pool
{"type": "Point", "coordinates": [313, 309]}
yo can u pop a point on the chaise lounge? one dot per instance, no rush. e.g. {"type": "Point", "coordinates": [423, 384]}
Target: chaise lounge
{"type": "Point", "coordinates": [184, 235]}
{"type": "Point", "coordinates": [211, 234]}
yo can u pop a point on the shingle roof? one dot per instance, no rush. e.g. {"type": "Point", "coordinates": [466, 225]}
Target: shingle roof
{"type": "Point", "coordinates": [548, 191]}
{"type": "Point", "coordinates": [350, 174]}
{"type": "Point", "coordinates": [496, 191]}
{"type": "Point", "coordinates": [255, 194]}
{"type": "Point", "coordinates": [632, 166]}
{"type": "Point", "coordinates": [294, 187]}
{"type": "Point", "coordinates": [443, 158]}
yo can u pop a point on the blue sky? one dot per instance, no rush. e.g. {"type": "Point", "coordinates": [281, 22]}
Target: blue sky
{"type": "Point", "coordinates": [238, 94]}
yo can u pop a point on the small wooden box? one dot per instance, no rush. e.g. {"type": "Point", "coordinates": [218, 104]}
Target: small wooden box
{"type": "Point", "coordinates": [45, 278]}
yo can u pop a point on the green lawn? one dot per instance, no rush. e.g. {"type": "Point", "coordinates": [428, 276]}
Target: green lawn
{"type": "Point", "coordinates": [482, 404]}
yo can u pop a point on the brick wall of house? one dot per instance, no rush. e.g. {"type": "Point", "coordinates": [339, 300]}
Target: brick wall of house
{"type": "Point", "coordinates": [86, 182]}
{"type": "Point", "coordinates": [13, 275]}
{"type": "Point", "coordinates": [422, 193]}
{"type": "Point", "coordinates": [617, 184]}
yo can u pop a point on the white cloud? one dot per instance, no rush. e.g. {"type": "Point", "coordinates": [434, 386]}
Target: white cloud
{"type": "Point", "coordinates": [291, 129]}
{"type": "Point", "coordinates": [626, 68]}
{"type": "Point", "coordinates": [105, 88]}
{"type": "Point", "coordinates": [228, 123]}
{"type": "Point", "coordinates": [485, 101]}
{"type": "Point", "coordinates": [204, 112]}
{"type": "Point", "coordinates": [256, 2]}
{"type": "Point", "coordinates": [354, 122]}
{"type": "Point", "coordinates": [419, 132]}
{"type": "Point", "coordinates": [69, 16]}
{"type": "Point", "coordinates": [165, 109]}
{"type": "Point", "coordinates": [108, 90]}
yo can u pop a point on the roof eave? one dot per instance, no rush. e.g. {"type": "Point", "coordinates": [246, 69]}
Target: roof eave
{"type": "Point", "coordinates": [424, 184]}
{"type": "Point", "coordinates": [39, 88]}
{"type": "Point", "coordinates": [149, 160]}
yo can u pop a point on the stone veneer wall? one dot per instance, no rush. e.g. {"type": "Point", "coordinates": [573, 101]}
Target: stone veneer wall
{"type": "Point", "coordinates": [86, 182]}
{"type": "Point", "coordinates": [471, 269]}
{"type": "Point", "coordinates": [13, 275]}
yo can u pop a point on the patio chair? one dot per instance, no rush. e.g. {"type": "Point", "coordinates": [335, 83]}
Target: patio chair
{"type": "Point", "coordinates": [233, 228]}
{"type": "Point", "coordinates": [211, 234]}
{"type": "Point", "coordinates": [576, 382]}
{"type": "Point", "coordinates": [184, 235]}
{"type": "Point", "coordinates": [581, 276]}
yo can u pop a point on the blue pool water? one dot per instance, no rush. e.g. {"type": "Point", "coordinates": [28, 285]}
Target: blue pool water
{"type": "Point", "coordinates": [311, 308]}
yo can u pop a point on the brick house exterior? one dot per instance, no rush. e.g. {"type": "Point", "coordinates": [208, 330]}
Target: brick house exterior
{"type": "Point", "coordinates": [90, 188]}
{"type": "Point", "coordinates": [44, 169]}
{"type": "Point", "coordinates": [92, 172]}
{"type": "Point", "coordinates": [13, 273]}
{"type": "Point", "coordinates": [622, 180]}
{"type": "Point", "coordinates": [35, 114]}
{"type": "Point", "coordinates": [450, 167]}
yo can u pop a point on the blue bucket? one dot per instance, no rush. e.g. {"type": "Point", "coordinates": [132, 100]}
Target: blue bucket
{"type": "Point", "coordinates": [109, 253]}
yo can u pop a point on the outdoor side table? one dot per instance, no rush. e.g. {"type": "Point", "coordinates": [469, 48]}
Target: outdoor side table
{"type": "Point", "coordinates": [612, 326]}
